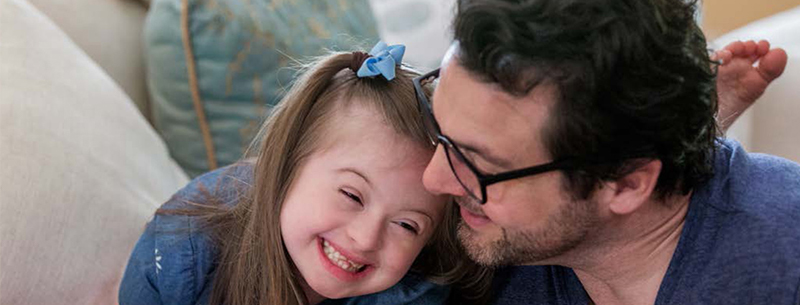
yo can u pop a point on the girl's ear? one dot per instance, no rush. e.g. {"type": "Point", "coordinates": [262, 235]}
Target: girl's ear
{"type": "Point", "coordinates": [628, 193]}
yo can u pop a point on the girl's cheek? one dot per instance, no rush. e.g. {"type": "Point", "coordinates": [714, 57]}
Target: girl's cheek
{"type": "Point", "coordinates": [403, 256]}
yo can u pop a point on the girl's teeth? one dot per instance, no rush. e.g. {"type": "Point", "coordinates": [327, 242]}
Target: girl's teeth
{"type": "Point", "coordinates": [338, 259]}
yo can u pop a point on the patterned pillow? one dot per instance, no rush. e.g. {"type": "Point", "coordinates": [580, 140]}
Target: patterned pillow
{"type": "Point", "coordinates": [215, 67]}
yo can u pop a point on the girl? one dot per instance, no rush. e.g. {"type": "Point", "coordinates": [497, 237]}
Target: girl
{"type": "Point", "coordinates": [332, 208]}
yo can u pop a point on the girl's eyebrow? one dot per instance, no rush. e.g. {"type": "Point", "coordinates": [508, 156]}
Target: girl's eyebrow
{"type": "Point", "coordinates": [355, 171]}
{"type": "Point", "coordinates": [430, 219]}
{"type": "Point", "coordinates": [420, 212]}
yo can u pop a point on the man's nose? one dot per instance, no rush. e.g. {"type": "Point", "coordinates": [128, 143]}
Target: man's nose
{"type": "Point", "coordinates": [439, 178]}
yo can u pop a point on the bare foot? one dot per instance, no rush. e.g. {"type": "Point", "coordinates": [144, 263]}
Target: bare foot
{"type": "Point", "coordinates": [739, 82]}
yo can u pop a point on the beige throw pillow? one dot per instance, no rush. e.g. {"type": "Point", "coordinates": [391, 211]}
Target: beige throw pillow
{"type": "Point", "coordinates": [110, 32]}
{"type": "Point", "coordinates": [81, 171]}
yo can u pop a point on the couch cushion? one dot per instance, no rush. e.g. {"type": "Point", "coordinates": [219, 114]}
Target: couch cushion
{"type": "Point", "coordinates": [82, 170]}
{"type": "Point", "coordinates": [110, 32]}
{"type": "Point", "coordinates": [236, 60]}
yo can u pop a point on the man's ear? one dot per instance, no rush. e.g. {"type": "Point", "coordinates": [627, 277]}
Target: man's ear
{"type": "Point", "coordinates": [626, 194]}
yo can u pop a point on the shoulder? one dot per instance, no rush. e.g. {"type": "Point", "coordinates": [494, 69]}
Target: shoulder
{"type": "Point", "coordinates": [733, 156]}
{"type": "Point", "coordinates": [754, 197]}
{"type": "Point", "coordinates": [733, 162]}
{"type": "Point", "coordinates": [741, 231]}
{"type": "Point", "coordinates": [170, 264]}
{"type": "Point", "coordinates": [224, 185]}
{"type": "Point", "coordinates": [180, 240]}
{"type": "Point", "coordinates": [174, 259]}
{"type": "Point", "coordinates": [754, 183]}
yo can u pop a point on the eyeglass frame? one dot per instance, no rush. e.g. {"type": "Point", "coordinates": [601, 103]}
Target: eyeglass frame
{"type": "Point", "coordinates": [484, 180]}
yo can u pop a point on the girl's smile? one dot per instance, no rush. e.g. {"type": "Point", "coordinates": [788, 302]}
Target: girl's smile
{"type": "Point", "coordinates": [346, 267]}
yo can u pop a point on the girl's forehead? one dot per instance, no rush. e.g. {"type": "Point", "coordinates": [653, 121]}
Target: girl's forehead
{"type": "Point", "coordinates": [370, 141]}
{"type": "Point", "coordinates": [364, 130]}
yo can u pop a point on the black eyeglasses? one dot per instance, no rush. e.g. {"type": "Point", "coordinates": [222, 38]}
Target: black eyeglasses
{"type": "Point", "coordinates": [473, 181]}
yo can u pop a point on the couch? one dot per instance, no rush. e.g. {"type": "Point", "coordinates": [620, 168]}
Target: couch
{"type": "Point", "coordinates": [82, 170]}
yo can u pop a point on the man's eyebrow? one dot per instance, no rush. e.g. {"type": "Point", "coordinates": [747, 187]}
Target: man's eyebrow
{"type": "Point", "coordinates": [482, 152]}
{"type": "Point", "coordinates": [355, 171]}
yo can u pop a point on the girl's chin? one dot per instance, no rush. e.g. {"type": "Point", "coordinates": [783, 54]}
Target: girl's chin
{"type": "Point", "coordinates": [336, 292]}
{"type": "Point", "coordinates": [325, 293]}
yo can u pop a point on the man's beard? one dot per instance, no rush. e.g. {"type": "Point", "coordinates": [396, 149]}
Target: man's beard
{"type": "Point", "coordinates": [562, 232]}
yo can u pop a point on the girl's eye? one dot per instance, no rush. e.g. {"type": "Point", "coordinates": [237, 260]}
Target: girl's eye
{"type": "Point", "coordinates": [408, 227]}
{"type": "Point", "coordinates": [352, 197]}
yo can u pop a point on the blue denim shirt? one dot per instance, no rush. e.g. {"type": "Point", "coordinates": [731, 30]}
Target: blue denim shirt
{"type": "Point", "coordinates": [174, 260]}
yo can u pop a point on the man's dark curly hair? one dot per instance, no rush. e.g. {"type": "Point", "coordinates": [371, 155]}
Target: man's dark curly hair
{"type": "Point", "coordinates": [634, 81]}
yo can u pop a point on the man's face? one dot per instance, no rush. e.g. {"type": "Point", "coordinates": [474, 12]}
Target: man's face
{"type": "Point", "coordinates": [524, 221]}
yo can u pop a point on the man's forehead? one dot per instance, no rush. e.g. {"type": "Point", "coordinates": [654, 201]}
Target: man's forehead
{"type": "Point", "coordinates": [448, 56]}
{"type": "Point", "coordinates": [543, 89]}
{"type": "Point", "coordinates": [456, 78]}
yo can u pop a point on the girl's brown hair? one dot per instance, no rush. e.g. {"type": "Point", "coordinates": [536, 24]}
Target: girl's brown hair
{"type": "Point", "coordinates": [253, 264]}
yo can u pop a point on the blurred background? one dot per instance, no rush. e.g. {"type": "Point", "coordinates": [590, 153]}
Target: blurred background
{"type": "Point", "coordinates": [722, 16]}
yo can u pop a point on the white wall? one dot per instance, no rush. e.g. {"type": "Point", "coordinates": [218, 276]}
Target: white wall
{"type": "Point", "coordinates": [422, 25]}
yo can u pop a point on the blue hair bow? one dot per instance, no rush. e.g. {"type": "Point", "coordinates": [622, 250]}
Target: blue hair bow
{"type": "Point", "coordinates": [382, 60]}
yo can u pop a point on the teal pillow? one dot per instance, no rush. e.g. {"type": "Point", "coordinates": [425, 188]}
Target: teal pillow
{"type": "Point", "coordinates": [236, 64]}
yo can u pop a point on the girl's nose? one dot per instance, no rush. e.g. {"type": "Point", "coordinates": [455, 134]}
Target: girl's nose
{"type": "Point", "coordinates": [366, 232]}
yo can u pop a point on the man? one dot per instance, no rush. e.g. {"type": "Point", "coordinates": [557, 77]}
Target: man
{"type": "Point", "coordinates": [580, 137]}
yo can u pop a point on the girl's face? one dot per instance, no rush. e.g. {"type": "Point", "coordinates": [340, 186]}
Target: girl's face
{"type": "Point", "coordinates": [357, 214]}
